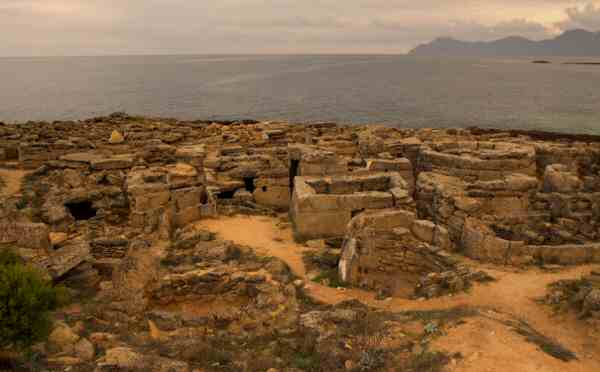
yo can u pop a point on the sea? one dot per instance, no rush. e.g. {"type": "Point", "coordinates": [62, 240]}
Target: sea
{"type": "Point", "coordinates": [394, 90]}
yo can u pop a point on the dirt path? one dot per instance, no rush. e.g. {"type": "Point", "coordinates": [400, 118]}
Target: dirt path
{"type": "Point", "coordinates": [10, 181]}
{"type": "Point", "coordinates": [262, 234]}
{"type": "Point", "coordinates": [486, 344]}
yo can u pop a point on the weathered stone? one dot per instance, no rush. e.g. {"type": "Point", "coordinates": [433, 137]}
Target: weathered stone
{"type": "Point", "coordinates": [116, 138]}
{"type": "Point", "coordinates": [558, 179]}
{"type": "Point", "coordinates": [26, 235]}
{"type": "Point", "coordinates": [115, 162]}
{"type": "Point", "coordinates": [424, 230]}
{"type": "Point", "coordinates": [62, 338]}
{"type": "Point", "coordinates": [84, 350]}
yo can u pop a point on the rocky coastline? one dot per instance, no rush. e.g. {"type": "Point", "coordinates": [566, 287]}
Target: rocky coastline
{"type": "Point", "coordinates": [383, 243]}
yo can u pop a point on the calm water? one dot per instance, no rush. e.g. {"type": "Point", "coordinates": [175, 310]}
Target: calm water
{"type": "Point", "coordinates": [395, 90]}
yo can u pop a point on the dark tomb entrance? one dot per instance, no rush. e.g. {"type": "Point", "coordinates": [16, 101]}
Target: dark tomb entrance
{"type": "Point", "coordinates": [294, 166]}
{"type": "Point", "coordinates": [81, 211]}
{"type": "Point", "coordinates": [249, 184]}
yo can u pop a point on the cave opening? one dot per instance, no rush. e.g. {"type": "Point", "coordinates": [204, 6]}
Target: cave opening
{"type": "Point", "coordinates": [249, 184]}
{"type": "Point", "coordinates": [294, 166]}
{"type": "Point", "coordinates": [356, 212]}
{"type": "Point", "coordinates": [203, 197]}
{"type": "Point", "coordinates": [227, 194]}
{"type": "Point", "coordinates": [81, 211]}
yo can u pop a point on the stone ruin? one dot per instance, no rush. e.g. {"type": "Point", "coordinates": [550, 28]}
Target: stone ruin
{"type": "Point", "coordinates": [522, 208]}
{"type": "Point", "coordinates": [322, 207]}
{"type": "Point", "coordinates": [405, 202]}
{"type": "Point", "coordinates": [392, 249]}
{"type": "Point", "coordinates": [167, 198]}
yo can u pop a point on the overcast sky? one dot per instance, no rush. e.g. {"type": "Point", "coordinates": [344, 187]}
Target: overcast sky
{"type": "Point", "coordinates": [98, 27]}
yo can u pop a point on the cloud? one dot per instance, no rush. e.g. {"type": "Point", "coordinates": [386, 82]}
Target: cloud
{"type": "Point", "coordinates": [91, 27]}
{"type": "Point", "coordinates": [587, 17]}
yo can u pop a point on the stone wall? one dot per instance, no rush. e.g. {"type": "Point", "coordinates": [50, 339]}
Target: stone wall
{"type": "Point", "coordinates": [392, 249]}
{"type": "Point", "coordinates": [167, 197]}
{"type": "Point", "coordinates": [322, 207]}
{"type": "Point", "coordinates": [313, 161]}
{"type": "Point", "coordinates": [480, 242]}
{"type": "Point", "coordinates": [478, 160]}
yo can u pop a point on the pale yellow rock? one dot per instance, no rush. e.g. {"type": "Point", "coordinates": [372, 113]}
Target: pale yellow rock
{"type": "Point", "coordinates": [57, 238]}
{"type": "Point", "coordinates": [64, 360]}
{"type": "Point", "coordinates": [155, 333]}
{"type": "Point", "coordinates": [183, 170]}
{"type": "Point", "coordinates": [62, 338]}
{"type": "Point", "coordinates": [116, 138]}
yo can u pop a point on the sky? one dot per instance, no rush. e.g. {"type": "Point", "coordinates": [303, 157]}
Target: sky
{"type": "Point", "coordinates": [118, 27]}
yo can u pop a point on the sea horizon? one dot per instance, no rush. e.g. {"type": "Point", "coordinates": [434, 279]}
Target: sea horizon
{"type": "Point", "coordinates": [397, 90]}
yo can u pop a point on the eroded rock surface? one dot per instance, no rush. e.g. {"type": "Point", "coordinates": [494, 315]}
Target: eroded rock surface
{"type": "Point", "coordinates": [109, 207]}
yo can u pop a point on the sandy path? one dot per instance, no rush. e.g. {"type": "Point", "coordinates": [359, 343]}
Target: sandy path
{"type": "Point", "coordinates": [487, 344]}
{"type": "Point", "coordinates": [262, 234]}
{"type": "Point", "coordinates": [10, 181]}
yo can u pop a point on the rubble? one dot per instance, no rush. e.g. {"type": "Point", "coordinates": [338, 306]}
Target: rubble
{"type": "Point", "coordinates": [579, 295]}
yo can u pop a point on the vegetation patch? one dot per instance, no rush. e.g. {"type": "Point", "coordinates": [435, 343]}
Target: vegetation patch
{"type": "Point", "coordinates": [26, 303]}
{"type": "Point", "coordinates": [427, 361]}
{"type": "Point", "coordinates": [441, 316]}
{"type": "Point", "coordinates": [546, 344]}
{"type": "Point", "coordinates": [326, 264]}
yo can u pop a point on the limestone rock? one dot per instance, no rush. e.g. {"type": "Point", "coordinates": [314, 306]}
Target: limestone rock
{"type": "Point", "coordinates": [127, 358]}
{"type": "Point", "coordinates": [592, 301]}
{"type": "Point", "coordinates": [557, 178]}
{"type": "Point", "coordinates": [58, 238]}
{"type": "Point", "coordinates": [62, 338]}
{"type": "Point", "coordinates": [84, 350]}
{"type": "Point", "coordinates": [424, 230]}
{"type": "Point", "coordinates": [116, 138]}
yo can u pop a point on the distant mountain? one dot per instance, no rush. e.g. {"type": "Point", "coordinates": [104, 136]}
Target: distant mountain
{"type": "Point", "coordinates": [574, 43]}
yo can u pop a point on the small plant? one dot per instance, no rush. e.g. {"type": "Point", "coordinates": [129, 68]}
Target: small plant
{"type": "Point", "coordinates": [330, 278]}
{"type": "Point", "coordinates": [21, 204]}
{"type": "Point", "coordinates": [432, 328]}
{"type": "Point", "coordinates": [371, 360]}
{"type": "Point", "coordinates": [233, 253]}
{"type": "Point", "coordinates": [26, 300]}
{"type": "Point", "coordinates": [8, 257]}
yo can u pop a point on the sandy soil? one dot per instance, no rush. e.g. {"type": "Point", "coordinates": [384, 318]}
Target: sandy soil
{"type": "Point", "coordinates": [262, 234]}
{"type": "Point", "coordinates": [10, 181]}
{"type": "Point", "coordinates": [486, 344]}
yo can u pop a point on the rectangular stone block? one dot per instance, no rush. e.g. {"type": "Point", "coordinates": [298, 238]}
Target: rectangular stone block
{"type": "Point", "coordinates": [188, 197]}
{"type": "Point", "coordinates": [324, 224]}
{"type": "Point", "coordinates": [187, 216]}
{"type": "Point", "coordinates": [145, 202]}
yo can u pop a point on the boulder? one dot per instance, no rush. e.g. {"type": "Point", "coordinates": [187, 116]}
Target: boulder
{"type": "Point", "coordinates": [126, 358]}
{"type": "Point", "coordinates": [424, 230]}
{"type": "Point", "coordinates": [84, 350]}
{"type": "Point", "coordinates": [116, 138]}
{"type": "Point", "coordinates": [58, 238]}
{"type": "Point", "coordinates": [557, 178]}
{"type": "Point", "coordinates": [62, 339]}
{"type": "Point", "coordinates": [592, 301]}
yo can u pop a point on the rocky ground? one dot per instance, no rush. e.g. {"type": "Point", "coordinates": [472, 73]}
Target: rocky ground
{"type": "Point", "coordinates": [230, 246]}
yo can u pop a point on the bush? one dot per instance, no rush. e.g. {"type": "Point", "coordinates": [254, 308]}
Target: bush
{"type": "Point", "coordinates": [8, 257]}
{"type": "Point", "coordinates": [26, 300]}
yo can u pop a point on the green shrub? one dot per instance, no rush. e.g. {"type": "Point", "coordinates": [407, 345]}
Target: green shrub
{"type": "Point", "coordinates": [26, 300]}
{"type": "Point", "coordinates": [8, 257]}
